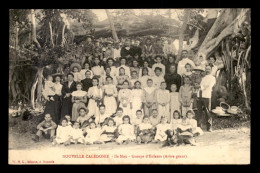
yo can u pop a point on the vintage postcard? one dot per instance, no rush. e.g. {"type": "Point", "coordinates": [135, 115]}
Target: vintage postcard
{"type": "Point", "coordinates": [129, 86]}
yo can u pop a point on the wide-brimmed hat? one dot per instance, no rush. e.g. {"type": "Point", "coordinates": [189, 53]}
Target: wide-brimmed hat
{"type": "Point", "coordinates": [219, 111]}
{"type": "Point", "coordinates": [198, 68]}
{"type": "Point", "coordinates": [75, 65]}
{"type": "Point", "coordinates": [84, 107]}
{"type": "Point", "coordinates": [233, 110]}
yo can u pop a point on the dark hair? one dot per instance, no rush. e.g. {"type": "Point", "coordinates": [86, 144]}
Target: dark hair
{"type": "Point", "coordinates": [137, 82]}
{"type": "Point", "coordinates": [154, 110]}
{"type": "Point", "coordinates": [110, 59]}
{"type": "Point", "coordinates": [144, 68]}
{"type": "Point", "coordinates": [126, 82]}
{"type": "Point", "coordinates": [70, 74]}
{"type": "Point", "coordinates": [187, 64]}
{"type": "Point", "coordinates": [88, 71]}
{"type": "Point", "coordinates": [212, 56]}
{"type": "Point", "coordinates": [176, 111]}
{"type": "Point", "coordinates": [94, 78]}
{"type": "Point", "coordinates": [119, 109]}
{"type": "Point", "coordinates": [133, 71]}
{"type": "Point", "coordinates": [63, 120]}
{"type": "Point", "coordinates": [85, 109]}
{"type": "Point", "coordinates": [184, 51]}
{"type": "Point", "coordinates": [145, 117]}
{"type": "Point", "coordinates": [86, 63]}
{"type": "Point", "coordinates": [163, 82]}
{"type": "Point", "coordinates": [158, 68]}
{"type": "Point", "coordinates": [139, 111]}
{"type": "Point", "coordinates": [127, 116]}
{"type": "Point", "coordinates": [190, 111]}
{"type": "Point", "coordinates": [157, 57]}
{"type": "Point", "coordinates": [149, 80]}
{"type": "Point", "coordinates": [109, 77]}
{"type": "Point", "coordinates": [102, 105]}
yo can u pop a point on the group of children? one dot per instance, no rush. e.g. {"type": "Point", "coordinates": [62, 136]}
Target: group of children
{"type": "Point", "coordinates": [118, 128]}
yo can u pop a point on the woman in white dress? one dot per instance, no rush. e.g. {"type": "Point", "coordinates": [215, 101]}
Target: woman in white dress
{"type": "Point", "coordinates": [79, 99]}
{"type": "Point", "coordinates": [137, 98]}
{"type": "Point", "coordinates": [95, 95]}
{"type": "Point", "coordinates": [110, 94]}
{"type": "Point", "coordinates": [83, 71]}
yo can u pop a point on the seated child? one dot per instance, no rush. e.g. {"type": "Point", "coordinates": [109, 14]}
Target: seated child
{"type": "Point", "coordinates": [46, 127]}
{"type": "Point", "coordinates": [145, 131]}
{"type": "Point", "coordinates": [161, 130]}
{"type": "Point", "coordinates": [126, 131]}
{"type": "Point", "coordinates": [119, 116]}
{"type": "Point", "coordinates": [154, 118]}
{"type": "Point", "coordinates": [83, 117]}
{"type": "Point", "coordinates": [67, 117]}
{"type": "Point", "coordinates": [101, 115]}
{"type": "Point", "coordinates": [108, 131]}
{"type": "Point", "coordinates": [93, 134]}
{"type": "Point", "coordinates": [76, 134]}
{"type": "Point", "coordinates": [62, 133]}
{"type": "Point", "coordinates": [176, 120]}
{"type": "Point", "coordinates": [49, 90]}
{"type": "Point", "coordinates": [138, 119]}
{"type": "Point", "coordinates": [195, 129]}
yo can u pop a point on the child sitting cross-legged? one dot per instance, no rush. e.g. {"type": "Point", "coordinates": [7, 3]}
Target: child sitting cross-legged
{"type": "Point", "coordinates": [145, 131]}
{"type": "Point", "coordinates": [108, 131]}
{"type": "Point", "coordinates": [161, 130]}
{"type": "Point", "coordinates": [126, 131]}
{"type": "Point", "coordinates": [176, 120]}
{"type": "Point", "coordinates": [76, 134]}
{"type": "Point", "coordinates": [93, 134]}
{"type": "Point", "coordinates": [45, 128]}
{"type": "Point", "coordinates": [137, 119]}
{"type": "Point", "coordinates": [62, 133]}
{"type": "Point", "coordinates": [195, 129]}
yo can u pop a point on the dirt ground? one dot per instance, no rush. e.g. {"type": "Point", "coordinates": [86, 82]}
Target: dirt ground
{"type": "Point", "coordinates": [228, 146]}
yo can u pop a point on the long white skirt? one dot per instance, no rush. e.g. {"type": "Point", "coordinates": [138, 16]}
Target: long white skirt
{"type": "Point", "coordinates": [111, 105]}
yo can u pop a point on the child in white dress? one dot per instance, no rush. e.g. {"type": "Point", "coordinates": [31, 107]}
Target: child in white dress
{"type": "Point", "coordinates": [161, 129]}
{"type": "Point", "coordinates": [126, 131]}
{"type": "Point", "coordinates": [49, 89]}
{"type": "Point", "coordinates": [110, 94]}
{"type": "Point", "coordinates": [77, 76]}
{"type": "Point", "coordinates": [145, 131]}
{"type": "Point", "coordinates": [76, 134]}
{"type": "Point", "coordinates": [176, 120]}
{"type": "Point", "coordinates": [108, 131]}
{"type": "Point", "coordinates": [174, 99]}
{"type": "Point", "coordinates": [62, 133]}
{"type": "Point", "coordinates": [67, 117]}
{"type": "Point", "coordinates": [144, 77]}
{"type": "Point", "coordinates": [95, 95]}
{"type": "Point", "coordinates": [93, 134]}
{"type": "Point", "coordinates": [137, 98]}
{"type": "Point", "coordinates": [125, 99]}
{"type": "Point", "coordinates": [157, 78]}
{"type": "Point", "coordinates": [195, 129]}
{"type": "Point", "coordinates": [163, 100]}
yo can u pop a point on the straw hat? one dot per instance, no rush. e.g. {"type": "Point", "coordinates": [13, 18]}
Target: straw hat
{"type": "Point", "coordinates": [198, 68]}
{"type": "Point", "coordinates": [218, 110]}
{"type": "Point", "coordinates": [75, 65]}
{"type": "Point", "coordinates": [84, 107]}
{"type": "Point", "coordinates": [233, 110]}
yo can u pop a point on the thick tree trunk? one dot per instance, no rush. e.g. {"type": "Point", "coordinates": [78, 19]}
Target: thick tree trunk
{"type": "Point", "coordinates": [112, 26]}
{"type": "Point", "coordinates": [181, 33]}
{"type": "Point", "coordinates": [228, 23]}
{"type": "Point", "coordinates": [34, 39]}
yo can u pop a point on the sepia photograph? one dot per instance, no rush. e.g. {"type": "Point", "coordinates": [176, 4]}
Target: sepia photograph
{"type": "Point", "coordinates": [129, 86]}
